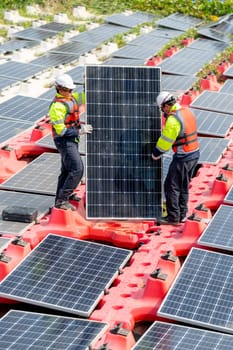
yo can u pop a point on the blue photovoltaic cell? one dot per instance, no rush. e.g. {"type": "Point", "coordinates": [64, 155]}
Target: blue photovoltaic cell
{"type": "Point", "coordinates": [24, 108]}
{"type": "Point", "coordinates": [169, 336]}
{"type": "Point", "coordinates": [177, 83]}
{"type": "Point", "coordinates": [65, 274]}
{"type": "Point", "coordinates": [218, 233]}
{"type": "Point", "coordinates": [122, 179]}
{"type": "Point", "coordinates": [29, 330]}
{"type": "Point", "coordinates": [214, 101]}
{"type": "Point", "coordinates": [8, 198]}
{"type": "Point", "coordinates": [202, 292]}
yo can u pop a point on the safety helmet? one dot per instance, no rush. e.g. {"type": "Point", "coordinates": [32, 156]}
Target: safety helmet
{"type": "Point", "coordinates": [165, 97]}
{"type": "Point", "coordinates": [65, 80]}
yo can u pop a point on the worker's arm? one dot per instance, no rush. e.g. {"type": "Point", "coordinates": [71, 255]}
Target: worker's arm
{"type": "Point", "coordinates": [168, 137]}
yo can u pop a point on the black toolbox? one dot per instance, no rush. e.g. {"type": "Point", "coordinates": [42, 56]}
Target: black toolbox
{"type": "Point", "coordinates": [21, 214]}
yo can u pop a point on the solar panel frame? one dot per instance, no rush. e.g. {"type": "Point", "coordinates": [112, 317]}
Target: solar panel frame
{"type": "Point", "coordinates": [65, 274]}
{"type": "Point", "coordinates": [201, 292]}
{"type": "Point", "coordinates": [121, 128]}
{"type": "Point", "coordinates": [162, 335]}
{"type": "Point", "coordinates": [218, 233]}
{"type": "Point", "coordinates": [8, 198]}
{"type": "Point", "coordinates": [25, 330]}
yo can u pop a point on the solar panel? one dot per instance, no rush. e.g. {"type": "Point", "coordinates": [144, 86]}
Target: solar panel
{"type": "Point", "coordinates": [229, 72]}
{"type": "Point", "coordinates": [229, 197]}
{"type": "Point", "coordinates": [131, 20]}
{"type": "Point", "coordinates": [187, 61]}
{"type": "Point", "coordinates": [54, 60]}
{"type": "Point", "coordinates": [177, 83]}
{"type": "Point", "coordinates": [214, 101]}
{"type": "Point", "coordinates": [212, 149]}
{"type": "Point", "coordinates": [193, 21]}
{"type": "Point", "coordinates": [17, 44]}
{"type": "Point", "coordinates": [10, 129]}
{"type": "Point", "coordinates": [9, 198]}
{"type": "Point", "coordinates": [34, 34]}
{"type": "Point", "coordinates": [202, 292]}
{"type": "Point", "coordinates": [166, 32]}
{"type": "Point", "coordinates": [207, 44]}
{"type": "Point", "coordinates": [212, 123]}
{"type": "Point", "coordinates": [24, 108]}
{"type": "Point", "coordinates": [65, 274]}
{"type": "Point", "coordinates": [214, 34]}
{"type": "Point", "coordinates": [19, 71]}
{"type": "Point", "coordinates": [25, 330]}
{"type": "Point", "coordinates": [7, 83]}
{"type": "Point", "coordinates": [57, 27]}
{"type": "Point", "coordinates": [179, 22]}
{"type": "Point", "coordinates": [169, 336]}
{"type": "Point", "coordinates": [39, 176]}
{"type": "Point", "coordinates": [99, 34]}
{"type": "Point", "coordinates": [227, 87]}
{"type": "Point", "coordinates": [73, 48]}
{"type": "Point", "coordinates": [218, 233]}
{"type": "Point", "coordinates": [4, 243]}
{"type": "Point", "coordinates": [150, 40]}
{"type": "Point", "coordinates": [121, 176]}
{"type": "Point", "coordinates": [124, 62]}
{"type": "Point", "coordinates": [131, 51]}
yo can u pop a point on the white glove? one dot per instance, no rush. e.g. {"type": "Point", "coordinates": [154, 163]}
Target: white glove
{"type": "Point", "coordinates": [85, 129]}
{"type": "Point", "coordinates": [156, 158]}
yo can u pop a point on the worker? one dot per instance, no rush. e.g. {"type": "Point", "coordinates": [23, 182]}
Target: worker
{"type": "Point", "coordinates": [180, 134]}
{"type": "Point", "coordinates": [66, 130]}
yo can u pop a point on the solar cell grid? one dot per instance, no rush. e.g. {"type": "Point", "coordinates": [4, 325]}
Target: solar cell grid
{"type": "Point", "coordinates": [24, 108]}
{"type": "Point", "coordinates": [9, 198]}
{"type": "Point", "coordinates": [174, 24]}
{"type": "Point", "coordinates": [202, 292]}
{"type": "Point", "coordinates": [28, 330]}
{"type": "Point", "coordinates": [214, 101]}
{"type": "Point", "coordinates": [169, 336]}
{"type": "Point", "coordinates": [213, 34]}
{"type": "Point", "coordinates": [17, 44]}
{"type": "Point", "coordinates": [207, 44]}
{"type": "Point", "coordinates": [65, 274]}
{"type": "Point", "coordinates": [177, 83]}
{"type": "Point", "coordinates": [218, 233]}
{"type": "Point", "coordinates": [121, 176]}
{"type": "Point", "coordinates": [179, 66]}
{"type": "Point", "coordinates": [121, 19]}
{"type": "Point", "coordinates": [149, 40]}
{"type": "Point", "coordinates": [34, 34]}
{"type": "Point", "coordinates": [54, 60]}
{"type": "Point", "coordinates": [7, 83]}
{"type": "Point", "coordinates": [124, 62]}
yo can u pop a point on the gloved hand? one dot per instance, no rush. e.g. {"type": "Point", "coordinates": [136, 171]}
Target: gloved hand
{"type": "Point", "coordinates": [85, 129]}
{"type": "Point", "coordinates": [156, 158]}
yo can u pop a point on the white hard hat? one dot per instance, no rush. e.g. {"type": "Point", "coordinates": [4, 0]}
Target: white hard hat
{"type": "Point", "coordinates": [65, 80]}
{"type": "Point", "coordinates": [163, 97]}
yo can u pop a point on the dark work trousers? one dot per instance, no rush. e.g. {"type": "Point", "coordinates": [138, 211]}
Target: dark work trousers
{"type": "Point", "coordinates": [176, 187]}
{"type": "Point", "coordinates": [71, 168]}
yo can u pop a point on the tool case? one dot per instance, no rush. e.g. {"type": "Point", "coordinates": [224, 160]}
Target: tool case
{"type": "Point", "coordinates": [21, 214]}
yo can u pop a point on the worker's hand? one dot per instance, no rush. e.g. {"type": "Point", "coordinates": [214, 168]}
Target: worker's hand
{"type": "Point", "coordinates": [85, 129]}
{"type": "Point", "coordinates": [156, 158]}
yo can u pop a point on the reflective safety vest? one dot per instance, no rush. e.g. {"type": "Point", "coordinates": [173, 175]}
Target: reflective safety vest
{"type": "Point", "coordinates": [187, 140]}
{"type": "Point", "coordinates": [71, 118]}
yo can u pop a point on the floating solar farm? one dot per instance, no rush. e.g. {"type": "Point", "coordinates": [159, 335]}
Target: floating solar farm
{"type": "Point", "coordinates": [108, 275]}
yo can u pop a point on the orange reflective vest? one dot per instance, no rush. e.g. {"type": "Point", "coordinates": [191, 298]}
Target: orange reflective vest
{"type": "Point", "coordinates": [187, 140]}
{"type": "Point", "coordinates": [72, 115]}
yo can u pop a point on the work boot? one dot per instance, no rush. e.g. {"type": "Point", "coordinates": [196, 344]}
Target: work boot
{"type": "Point", "coordinates": [65, 205]}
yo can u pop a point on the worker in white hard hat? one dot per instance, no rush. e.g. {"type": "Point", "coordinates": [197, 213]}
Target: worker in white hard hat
{"type": "Point", "coordinates": [66, 130]}
{"type": "Point", "coordinates": [180, 134]}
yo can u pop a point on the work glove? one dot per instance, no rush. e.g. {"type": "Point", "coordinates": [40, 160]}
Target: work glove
{"type": "Point", "coordinates": [85, 129]}
{"type": "Point", "coordinates": [156, 158]}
